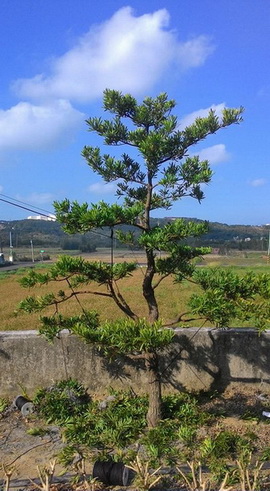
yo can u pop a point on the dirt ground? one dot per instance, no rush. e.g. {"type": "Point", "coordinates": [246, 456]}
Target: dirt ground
{"type": "Point", "coordinates": [24, 452]}
{"type": "Point", "coordinates": [241, 412]}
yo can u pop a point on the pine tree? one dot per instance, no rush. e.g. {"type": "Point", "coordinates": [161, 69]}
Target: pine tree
{"type": "Point", "coordinates": [157, 172]}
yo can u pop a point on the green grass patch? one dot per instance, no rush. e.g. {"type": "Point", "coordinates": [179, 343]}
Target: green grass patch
{"type": "Point", "coordinates": [172, 297]}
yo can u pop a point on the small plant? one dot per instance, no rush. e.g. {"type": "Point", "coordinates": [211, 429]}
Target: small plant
{"type": "Point", "coordinates": [8, 471]}
{"type": "Point", "coordinates": [215, 452]}
{"type": "Point", "coordinates": [250, 477]}
{"type": "Point", "coordinates": [226, 444]}
{"type": "Point", "coordinates": [159, 442]}
{"type": "Point", "coordinates": [79, 466]}
{"type": "Point", "coordinates": [145, 478]}
{"type": "Point", "coordinates": [196, 480]}
{"type": "Point", "coordinates": [92, 484]}
{"type": "Point", "coordinates": [250, 416]}
{"type": "Point", "coordinates": [38, 431]}
{"type": "Point", "coordinates": [3, 405]}
{"type": "Point", "coordinates": [75, 457]}
{"type": "Point", "coordinates": [265, 454]}
{"type": "Point", "coordinates": [61, 401]}
{"type": "Point", "coordinates": [24, 392]}
{"type": "Point", "coordinates": [46, 475]}
{"type": "Point", "coordinates": [187, 434]}
{"type": "Point", "coordinates": [184, 407]}
{"type": "Point", "coordinates": [112, 427]}
{"type": "Point", "coordinates": [68, 454]}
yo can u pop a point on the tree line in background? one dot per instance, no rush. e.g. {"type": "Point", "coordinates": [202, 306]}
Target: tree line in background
{"type": "Point", "coordinates": [50, 234]}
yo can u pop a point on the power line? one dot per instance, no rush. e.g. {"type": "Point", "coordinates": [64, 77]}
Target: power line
{"type": "Point", "coordinates": [43, 214]}
{"type": "Point", "coordinates": [24, 203]}
{"type": "Point", "coordinates": [47, 214]}
{"type": "Point", "coordinates": [24, 207]}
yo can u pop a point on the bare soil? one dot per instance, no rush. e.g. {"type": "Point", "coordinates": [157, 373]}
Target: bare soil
{"type": "Point", "coordinates": [24, 452]}
{"type": "Point", "coordinates": [241, 412]}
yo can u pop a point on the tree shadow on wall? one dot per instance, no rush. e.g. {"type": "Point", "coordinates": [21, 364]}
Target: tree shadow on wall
{"type": "Point", "coordinates": [210, 356]}
{"type": "Point", "coordinates": [118, 368]}
{"type": "Point", "coordinates": [220, 359]}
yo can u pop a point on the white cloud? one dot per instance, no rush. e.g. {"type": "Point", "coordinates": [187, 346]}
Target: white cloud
{"type": "Point", "coordinates": [29, 127]}
{"type": "Point", "coordinates": [102, 188]}
{"type": "Point", "coordinates": [215, 154]}
{"type": "Point", "coordinates": [201, 113]}
{"type": "Point", "coordinates": [1, 188]}
{"type": "Point", "coordinates": [126, 52]}
{"type": "Point", "coordinates": [195, 52]}
{"type": "Point", "coordinates": [258, 182]}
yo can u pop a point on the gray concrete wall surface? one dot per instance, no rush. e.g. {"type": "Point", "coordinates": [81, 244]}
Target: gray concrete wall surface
{"type": "Point", "coordinates": [199, 359]}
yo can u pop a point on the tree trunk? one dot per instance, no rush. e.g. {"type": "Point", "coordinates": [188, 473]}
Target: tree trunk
{"type": "Point", "coordinates": [148, 290]}
{"type": "Point", "coordinates": [154, 390]}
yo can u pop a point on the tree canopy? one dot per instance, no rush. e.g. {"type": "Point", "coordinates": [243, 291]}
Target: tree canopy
{"type": "Point", "coordinates": [161, 173]}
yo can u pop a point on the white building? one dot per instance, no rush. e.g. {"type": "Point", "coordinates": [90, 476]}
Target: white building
{"type": "Point", "coordinates": [49, 218]}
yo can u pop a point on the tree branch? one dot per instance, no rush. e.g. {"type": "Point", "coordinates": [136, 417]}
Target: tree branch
{"type": "Point", "coordinates": [161, 279]}
{"type": "Point", "coordinates": [130, 179]}
{"type": "Point", "coordinates": [125, 142]}
{"type": "Point", "coordinates": [120, 302]}
{"type": "Point", "coordinates": [74, 294]}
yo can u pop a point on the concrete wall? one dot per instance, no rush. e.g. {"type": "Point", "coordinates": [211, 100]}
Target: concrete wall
{"type": "Point", "coordinates": [198, 360]}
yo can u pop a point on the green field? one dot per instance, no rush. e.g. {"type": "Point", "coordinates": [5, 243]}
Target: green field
{"type": "Point", "coordinates": [172, 297]}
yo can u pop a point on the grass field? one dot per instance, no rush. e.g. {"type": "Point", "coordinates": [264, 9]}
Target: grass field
{"type": "Point", "coordinates": [172, 297]}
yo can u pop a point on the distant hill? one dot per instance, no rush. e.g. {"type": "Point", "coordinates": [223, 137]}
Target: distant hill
{"type": "Point", "coordinates": [50, 234]}
{"type": "Point", "coordinates": [46, 234]}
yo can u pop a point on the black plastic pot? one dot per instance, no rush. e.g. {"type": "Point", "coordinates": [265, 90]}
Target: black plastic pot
{"type": "Point", "coordinates": [24, 405]}
{"type": "Point", "coordinates": [111, 473]}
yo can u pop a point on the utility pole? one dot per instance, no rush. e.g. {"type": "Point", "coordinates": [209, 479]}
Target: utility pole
{"type": "Point", "coordinates": [159, 249]}
{"type": "Point", "coordinates": [10, 246]}
{"type": "Point", "coordinates": [112, 256]}
{"type": "Point", "coordinates": [32, 251]}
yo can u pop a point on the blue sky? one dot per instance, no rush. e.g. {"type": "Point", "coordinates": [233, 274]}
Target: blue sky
{"type": "Point", "coordinates": [57, 56]}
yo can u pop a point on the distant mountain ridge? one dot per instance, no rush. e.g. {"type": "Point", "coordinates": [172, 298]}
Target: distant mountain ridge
{"type": "Point", "coordinates": [50, 233]}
